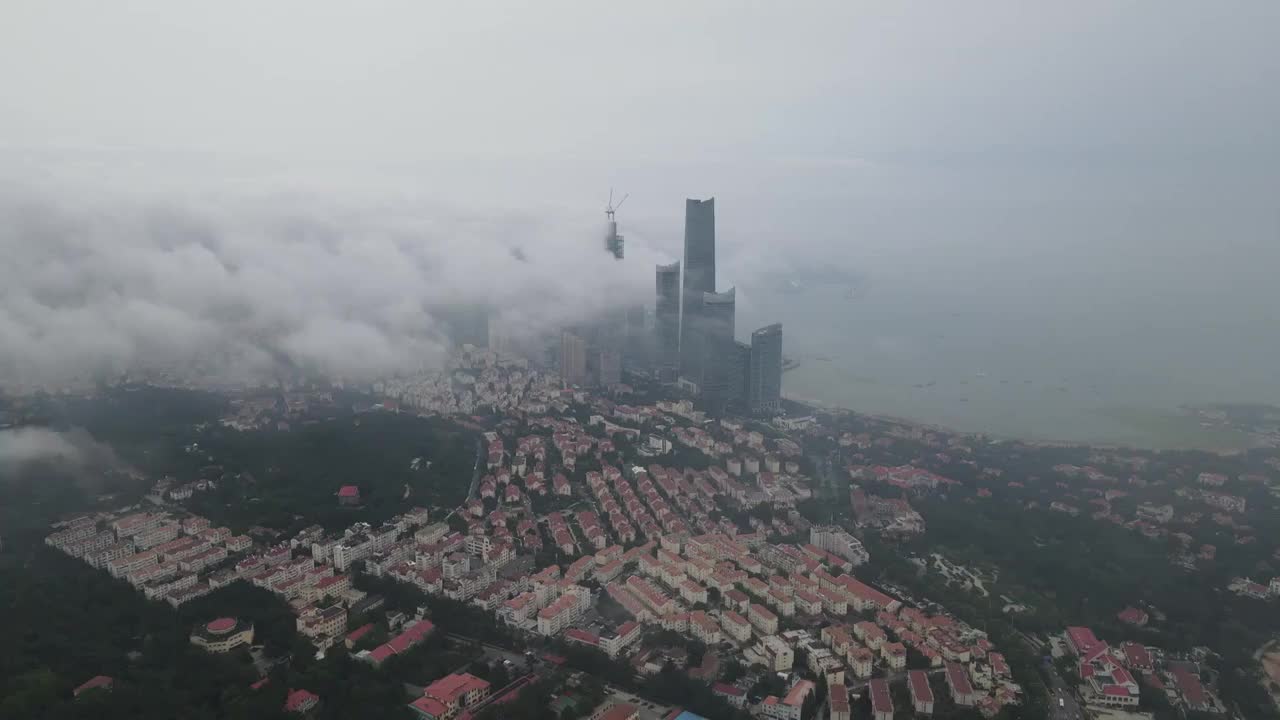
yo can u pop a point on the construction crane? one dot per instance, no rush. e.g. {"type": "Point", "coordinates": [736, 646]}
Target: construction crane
{"type": "Point", "coordinates": [613, 241]}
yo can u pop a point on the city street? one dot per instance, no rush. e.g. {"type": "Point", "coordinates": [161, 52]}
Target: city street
{"type": "Point", "coordinates": [492, 653]}
{"type": "Point", "coordinates": [1062, 702]}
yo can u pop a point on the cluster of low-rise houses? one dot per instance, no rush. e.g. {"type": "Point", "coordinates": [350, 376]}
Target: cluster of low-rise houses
{"type": "Point", "coordinates": [646, 546]}
{"type": "Point", "coordinates": [164, 556]}
{"type": "Point", "coordinates": [1097, 498]}
{"type": "Point", "coordinates": [1112, 676]}
{"type": "Point", "coordinates": [477, 378]}
{"type": "Point", "coordinates": [886, 515]}
{"type": "Point", "coordinates": [650, 542]}
{"type": "Point", "coordinates": [177, 559]}
{"type": "Point", "coordinates": [1258, 591]}
{"type": "Point", "coordinates": [758, 588]}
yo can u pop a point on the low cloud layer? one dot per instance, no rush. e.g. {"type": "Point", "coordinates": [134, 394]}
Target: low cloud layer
{"type": "Point", "coordinates": [237, 286]}
{"type": "Point", "coordinates": [74, 449]}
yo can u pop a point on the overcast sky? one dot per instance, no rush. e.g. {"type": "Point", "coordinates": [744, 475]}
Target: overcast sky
{"type": "Point", "coordinates": [639, 80]}
{"type": "Point", "coordinates": [869, 134]}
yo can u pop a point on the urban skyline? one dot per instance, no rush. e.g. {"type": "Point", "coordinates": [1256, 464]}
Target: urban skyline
{"type": "Point", "coordinates": [711, 362]}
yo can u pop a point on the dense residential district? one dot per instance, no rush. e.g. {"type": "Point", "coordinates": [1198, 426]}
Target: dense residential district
{"type": "Point", "coordinates": [777, 565]}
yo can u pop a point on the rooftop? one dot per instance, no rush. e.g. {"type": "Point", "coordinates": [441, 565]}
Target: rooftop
{"type": "Point", "coordinates": [98, 681]}
{"type": "Point", "coordinates": [799, 691]}
{"type": "Point", "coordinates": [221, 626]}
{"type": "Point", "coordinates": [959, 679]}
{"type": "Point", "coordinates": [919, 683]}
{"type": "Point", "coordinates": [621, 711]}
{"type": "Point", "coordinates": [299, 700]}
{"type": "Point", "coordinates": [429, 706]}
{"type": "Point", "coordinates": [451, 687]}
{"type": "Point", "coordinates": [880, 698]}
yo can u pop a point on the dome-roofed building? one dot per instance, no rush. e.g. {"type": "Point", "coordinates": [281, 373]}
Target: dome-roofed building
{"type": "Point", "coordinates": [222, 635]}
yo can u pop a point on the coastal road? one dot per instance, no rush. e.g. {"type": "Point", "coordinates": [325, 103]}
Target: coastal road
{"type": "Point", "coordinates": [481, 459]}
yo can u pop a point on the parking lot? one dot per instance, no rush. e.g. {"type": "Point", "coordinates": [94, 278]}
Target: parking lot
{"type": "Point", "coordinates": [648, 710]}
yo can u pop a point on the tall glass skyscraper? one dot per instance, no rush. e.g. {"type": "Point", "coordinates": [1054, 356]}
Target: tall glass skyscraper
{"type": "Point", "coordinates": [739, 375]}
{"type": "Point", "coordinates": [714, 346]}
{"type": "Point", "coordinates": [699, 278]}
{"type": "Point", "coordinates": [700, 245]}
{"type": "Point", "coordinates": [695, 329]}
{"type": "Point", "coordinates": [667, 321]}
{"type": "Point", "coordinates": [764, 385]}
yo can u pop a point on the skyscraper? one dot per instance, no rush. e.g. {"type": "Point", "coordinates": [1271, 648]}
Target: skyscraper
{"type": "Point", "coordinates": [573, 359]}
{"type": "Point", "coordinates": [637, 339]}
{"type": "Point", "coordinates": [608, 367]}
{"type": "Point", "coordinates": [739, 375]}
{"type": "Point", "coordinates": [700, 245]}
{"type": "Point", "coordinates": [699, 278]}
{"type": "Point", "coordinates": [714, 344]}
{"type": "Point", "coordinates": [667, 321]}
{"type": "Point", "coordinates": [718, 311]}
{"type": "Point", "coordinates": [764, 384]}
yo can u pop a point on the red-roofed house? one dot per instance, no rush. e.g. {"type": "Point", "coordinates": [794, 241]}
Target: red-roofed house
{"type": "Point", "coordinates": [1133, 616]}
{"type": "Point", "coordinates": [301, 701]}
{"type": "Point", "coordinates": [411, 636]}
{"type": "Point", "coordinates": [735, 696]}
{"type": "Point", "coordinates": [998, 664]}
{"type": "Point", "coordinates": [921, 693]}
{"type": "Point", "coordinates": [430, 708]}
{"type": "Point", "coordinates": [895, 655]}
{"type": "Point", "coordinates": [332, 586]}
{"type": "Point", "coordinates": [881, 700]}
{"type": "Point", "coordinates": [448, 696]}
{"type": "Point", "coordinates": [958, 682]}
{"type": "Point", "coordinates": [1191, 689]}
{"type": "Point", "coordinates": [839, 703]}
{"type": "Point", "coordinates": [356, 635]}
{"type": "Point", "coordinates": [379, 655]}
{"type": "Point", "coordinates": [618, 711]}
{"type": "Point", "coordinates": [1110, 684]}
{"type": "Point", "coordinates": [582, 637]}
{"type": "Point", "coordinates": [864, 597]}
{"type": "Point", "coordinates": [401, 643]}
{"type": "Point", "coordinates": [789, 707]}
{"type": "Point", "coordinates": [349, 495]}
{"type": "Point", "coordinates": [98, 682]}
{"type": "Point", "coordinates": [1136, 656]}
{"type": "Point", "coordinates": [764, 621]}
{"type": "Point", "coordinates": [1081, 640]}
{"type": "Point", "coordinates": [1153, 680]}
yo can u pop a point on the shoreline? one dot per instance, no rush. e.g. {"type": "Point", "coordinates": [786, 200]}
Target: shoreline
{"type": "Point", "coordinates": [991, 437]}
